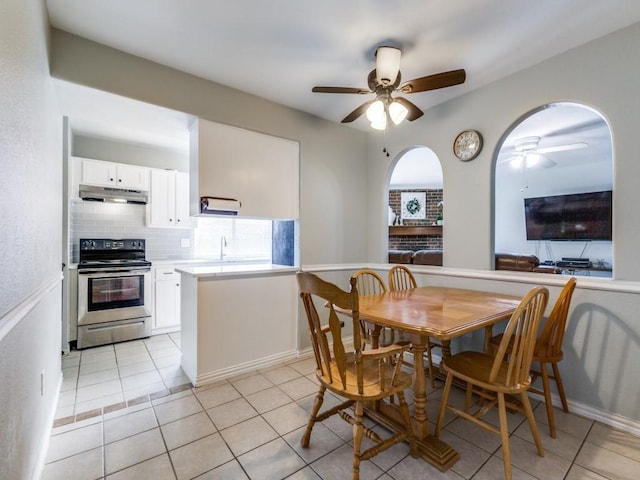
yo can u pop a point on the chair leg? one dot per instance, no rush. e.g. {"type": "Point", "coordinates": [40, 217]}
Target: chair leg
{"type": "Point", "coordinates": [532, 423]}
{"type": "Point", "coordinates": [468, 394]}
{"type": "Point", "coordinates": [404, 412]}
{"type": "Point", "coordinates": [430, 364]}
{"type": "Point", "coordinates": [358, 432]}
{"type": "Point", "coordinates": [443, 404]}
{"type": "Point", "coordinates": [546, 389]}
{"type": "Point", "coordinates": [558, 379]}
{"type": "Point", "coordinates": [504, 436]}
{"type": "Point", "coordinates": [304, 441]}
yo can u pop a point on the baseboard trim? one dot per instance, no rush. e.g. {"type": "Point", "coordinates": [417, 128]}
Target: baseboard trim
{"type": "Point", "coordinates": [265, 362]}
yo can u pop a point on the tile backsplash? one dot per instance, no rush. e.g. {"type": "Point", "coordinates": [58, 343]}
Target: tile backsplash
{"type": "Point", "coordinates": [112, 220]}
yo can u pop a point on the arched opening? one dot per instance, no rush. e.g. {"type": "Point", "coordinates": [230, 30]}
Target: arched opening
{"type": "Point", "coordinates": [553, 190]}
{"type": "Point", "coordinates": [415, 206]}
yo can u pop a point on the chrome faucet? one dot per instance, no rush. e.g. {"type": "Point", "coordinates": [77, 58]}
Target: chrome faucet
{"type": "Point", "coordinates": [223, 243]}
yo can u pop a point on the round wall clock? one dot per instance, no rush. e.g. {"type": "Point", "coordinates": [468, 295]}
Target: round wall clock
{"type": "Point", "coordinates": [467, 145]}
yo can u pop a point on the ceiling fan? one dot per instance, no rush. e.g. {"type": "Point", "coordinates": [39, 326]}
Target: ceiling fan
{"type": "Point", "coordinates": [383, 81]}
{"type": "Point", "coordinates": [526, 153]}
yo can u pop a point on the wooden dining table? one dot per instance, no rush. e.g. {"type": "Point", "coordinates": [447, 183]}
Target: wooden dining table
{"type": "Point", "coordinates": [439, 312]}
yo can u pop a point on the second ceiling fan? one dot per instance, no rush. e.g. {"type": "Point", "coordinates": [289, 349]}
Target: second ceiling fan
{"type": "Point", "coordinates": [383, 81]}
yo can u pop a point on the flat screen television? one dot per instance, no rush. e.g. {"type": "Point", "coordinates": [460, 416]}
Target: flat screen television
{"type": "Point", "coordinates": [580, 216]}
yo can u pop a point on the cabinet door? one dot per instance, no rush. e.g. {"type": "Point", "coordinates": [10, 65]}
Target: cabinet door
{"type": "Point", "coordinates": [95, 172]}
{"type": "Point", "coordinates": [162, 199]}
{"type": "Point", "coordinates": [182, 200]}
{"type": "Point", "coordinates": [259, 170]}
{"type": "Point", "coordinates": [133, 177]}
{"type": "Point", "coordinates": [167, 307]}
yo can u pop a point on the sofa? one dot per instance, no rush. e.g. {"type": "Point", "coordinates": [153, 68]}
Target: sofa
{"type": "Point", "coordinates": [427, 257]}
{"type": "Point", "coordinates": [419, 257]}
{"type": "Point", "coordinates": [522, 263]}
{"type": "Point", "coordinates": [400, 256]}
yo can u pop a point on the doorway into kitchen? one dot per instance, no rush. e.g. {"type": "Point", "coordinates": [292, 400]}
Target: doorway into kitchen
{"type": "Point", "coordinates": [416, 208]}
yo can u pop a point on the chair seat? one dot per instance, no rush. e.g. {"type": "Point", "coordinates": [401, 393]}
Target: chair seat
{"type": "Point", "coordinates": [475, 367]}
{"type": "Point", "coordinates": [372, 388]}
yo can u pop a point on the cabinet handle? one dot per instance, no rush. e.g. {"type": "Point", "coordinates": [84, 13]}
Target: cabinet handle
{"type": "Point", "coordinates": [111, 179]}
{"type": "Point", "coordinates": [120, 180]}
{"type": "Point", "coordinates": [171, 219]}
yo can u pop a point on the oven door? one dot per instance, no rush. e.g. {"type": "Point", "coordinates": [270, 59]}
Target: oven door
{"type": "Point", "coordinates": [112, 295]}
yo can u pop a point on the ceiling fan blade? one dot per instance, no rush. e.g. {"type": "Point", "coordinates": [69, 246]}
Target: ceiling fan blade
{"type": "Point", "coordinates": [357, 112]}
{"type": "Point", "coordinates": [360, 91]}
{"type": "Point", "coordinates": [563, 148]}
{"type": "Point", "coordinates": [433, 82]}
{"type": "Point", "coordinates": [414, 112]}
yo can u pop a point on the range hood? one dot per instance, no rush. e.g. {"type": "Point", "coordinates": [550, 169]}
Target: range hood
{"type": "Point", "coordinates": [115, 195]}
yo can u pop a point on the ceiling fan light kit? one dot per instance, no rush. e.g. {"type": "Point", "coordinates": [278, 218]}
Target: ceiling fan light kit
{"type": "Point", "coordinates": [397, 112]}
{"type": "Point", "coordinates": [528, 153]}
{"type": "Point", "coordinates": [383, 81]}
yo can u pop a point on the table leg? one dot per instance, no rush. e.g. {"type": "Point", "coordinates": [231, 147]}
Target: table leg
{"type": "Point", "coordinates": [446, 348]}
{"type": "Point", "coordinates": [420, 420]}
{"type": "Point", "coordinates": [432, 449]}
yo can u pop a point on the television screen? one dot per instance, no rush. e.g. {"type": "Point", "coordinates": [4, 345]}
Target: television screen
{"type": "Point", "coordinates": [581, 216]}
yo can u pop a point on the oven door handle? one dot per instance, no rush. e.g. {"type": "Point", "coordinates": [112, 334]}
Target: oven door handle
{"type": "Point", "coordinates": [101, 272]}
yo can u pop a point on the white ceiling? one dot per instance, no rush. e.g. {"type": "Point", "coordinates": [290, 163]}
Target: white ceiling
{"type": "Point", "coordinates": [280, 49]}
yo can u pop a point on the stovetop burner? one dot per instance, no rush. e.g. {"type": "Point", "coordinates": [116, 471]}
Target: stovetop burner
{"type": "Point", "coordinates": [105, 253]}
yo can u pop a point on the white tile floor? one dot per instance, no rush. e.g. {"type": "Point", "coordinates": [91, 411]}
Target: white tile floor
{"type": "Point", "coordinates": [250, 427]}
{"type": "Point", "coordinates": [114, 374]}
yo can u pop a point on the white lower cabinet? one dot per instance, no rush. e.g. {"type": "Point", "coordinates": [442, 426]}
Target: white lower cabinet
{"type": "Point", "coordinates": [167, 300]}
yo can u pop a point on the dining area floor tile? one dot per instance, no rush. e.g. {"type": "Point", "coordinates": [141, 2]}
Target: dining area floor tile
{"type": "Point", "coordinates": [250, 426]}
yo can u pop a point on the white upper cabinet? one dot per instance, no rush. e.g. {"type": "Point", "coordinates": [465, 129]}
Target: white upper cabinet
{"type": "Point", "coordinates": [261, 171]}
{"type": "Point", "coordinates": [117, 175]}
{"type": "Point", "coordinates": [169, 199]}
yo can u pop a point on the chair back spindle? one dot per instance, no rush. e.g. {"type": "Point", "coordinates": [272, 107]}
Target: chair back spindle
{"type": "Point", "coordinates": [401, 278]}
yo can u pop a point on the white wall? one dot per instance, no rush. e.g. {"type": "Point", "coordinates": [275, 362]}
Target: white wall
{"type": "Point", "coordinates": [122, 152]}
{"type": "Point", "coordinates": [30, 235]}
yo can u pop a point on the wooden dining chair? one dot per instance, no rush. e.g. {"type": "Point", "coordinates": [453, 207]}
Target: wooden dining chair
{"type": "Point", "coordinates": [358, 376]}
{"type": "Point", "coordinates": [493, 378]}
{"type": "Point", "coordinates": [548, 351]}
{"type": "Point", "coordinates": [370, 283]}
{"type": "Point", "coordinates": [401, 278]}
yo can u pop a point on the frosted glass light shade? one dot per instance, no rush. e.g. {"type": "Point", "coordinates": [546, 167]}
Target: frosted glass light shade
{"type": "Point", "coordinates": [379, 124]}
{"type": "Point", "coordinates": [397, 112]}
{"type": "Point", "coordinates": [375, 112]}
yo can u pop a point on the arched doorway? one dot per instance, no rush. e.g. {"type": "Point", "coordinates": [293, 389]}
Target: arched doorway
{"type": "Point", "coordinates": [416, 206]}
{"type": "Point", "coordinates": [559, 154]}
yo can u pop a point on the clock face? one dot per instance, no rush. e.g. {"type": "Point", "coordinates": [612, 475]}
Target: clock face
{"type": "Point", "coordinates": [467, 145]}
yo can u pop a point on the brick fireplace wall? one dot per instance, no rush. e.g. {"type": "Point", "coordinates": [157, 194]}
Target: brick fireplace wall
{"type": "Point", "coordinates": [416, 242]}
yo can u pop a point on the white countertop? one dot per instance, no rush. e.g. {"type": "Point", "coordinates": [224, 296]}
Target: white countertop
{"type": "Point", "coordinates": [230, 269]}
